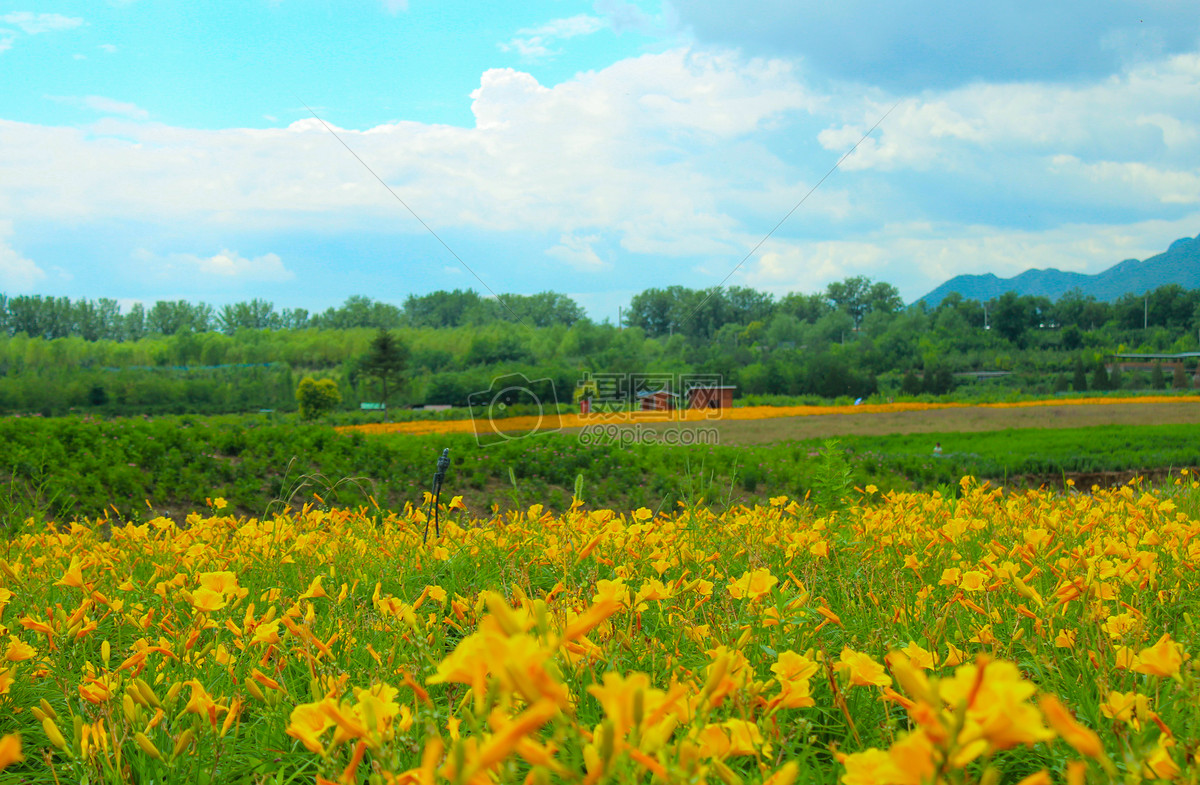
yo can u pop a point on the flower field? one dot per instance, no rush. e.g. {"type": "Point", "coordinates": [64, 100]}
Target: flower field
{"type": "Point", "coordinates": [552, 421]}
{"type": "Point", "coordinates": [908, 638]}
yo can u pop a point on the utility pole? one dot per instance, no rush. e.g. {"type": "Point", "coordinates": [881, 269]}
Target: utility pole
{"type": "Point", "coordinates": [618, 318]}
{"type": "Point", "coordinates": [1146, 314]}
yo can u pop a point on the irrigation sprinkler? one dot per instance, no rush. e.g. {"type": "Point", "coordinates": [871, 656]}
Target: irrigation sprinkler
{"type": "Point", "coordinates": [439, 477]}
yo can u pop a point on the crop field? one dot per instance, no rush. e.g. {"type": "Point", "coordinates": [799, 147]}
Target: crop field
{"type": "Point", "coordinates": [759, 424]}
{"type": "Point", "coordinates": [884, 638]}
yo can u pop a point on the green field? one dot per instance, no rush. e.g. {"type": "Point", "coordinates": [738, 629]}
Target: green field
{"type": "Point", "coordinates": [140, 468]}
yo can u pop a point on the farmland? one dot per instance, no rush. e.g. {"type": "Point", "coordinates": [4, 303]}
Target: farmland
{"type": "Point", "coordinates": [903, 638]}
{"type": "Point", "coordinates": [254, 599]}
{"type": "Point", "coordinates": [138, 469]}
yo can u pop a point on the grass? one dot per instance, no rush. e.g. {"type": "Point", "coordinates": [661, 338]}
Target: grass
{"type": "Point", "coordinates": [138, 470]}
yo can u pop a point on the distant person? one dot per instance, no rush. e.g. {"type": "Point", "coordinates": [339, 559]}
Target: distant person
{"type": "Point", "coordinates": [937, 448]}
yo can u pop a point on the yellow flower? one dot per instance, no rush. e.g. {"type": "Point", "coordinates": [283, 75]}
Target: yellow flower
{"type": "Point", "coordinates": [950, 576]}
{"type": "Point", "coordinates": [1160, 765]}
{"type": "Point", "coordinates": [1127, 707]}
{"type": "Point", "coordinates": [73, 577]}
{"type": "Point", "coordinates": [732, 737]}
{"type": "Point", "coordinates": [973, 580]}
{"type": "Point", "coordinates": [314, 590]}
{"type": "Point", "coordinates": [10, 750]}
{"type": "Point", "coordinates": [223, 582]}
{"type": "Point", "coordinates": [18, 650]}
{"type": "Point", "coordinates": [308, 722]}
{"type": "Point", "coordinates": [996, 700]}
{"type": "Point", "coordinates": [919, 657]}
{"type": "Point", "coordinates": [266, 633]}
{"type": "Point", "coordinates": [652, 589]}
{"type": "Point", "coordinates": [864, 671]}
{"type": "Point", "coordinates": [1083, 739]}
{"type": "Point", "coordinates": [793, 672]}
{"type": "Point", "coordinates": [206, 600]}
{"type": "Point", "coordinates": [1162, 659]}
{"type": "Point", "coordinates": [753, 585]}
{"type": "Point", "coordinates": [910, 761]}
{"type": "Point", "coordinates": [616, 591]}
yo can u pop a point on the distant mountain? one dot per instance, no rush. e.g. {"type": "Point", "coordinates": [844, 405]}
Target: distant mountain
{"type": "Point", "coordinates": [1179, 264]}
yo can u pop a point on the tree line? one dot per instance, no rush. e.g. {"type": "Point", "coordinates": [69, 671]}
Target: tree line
{"type": "Point", "coordinates": [854, 339]}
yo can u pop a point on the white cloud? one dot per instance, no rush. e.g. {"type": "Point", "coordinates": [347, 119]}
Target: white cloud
{"type": "Point", "coordinates": [395, 6]}
{"type": "Point", "coordinates": [919, 256]}
{"type": "Point", "coordinates": [224, 268]}
{"type": "Point", "coordinates": [112, 106]}
{"type": "Point", "coordinates": [577, 251]}
{"type": "Point", "coordinates": [102, 105]}
{"type": "Point", "coordinates": [32, 24]}
{"type": "Point", "coordinates": [17, 273]}
{"type": "Point", "coordinates": [109, 48]}
{"type": "Point", "coordinates": [686, 155]}
{"type": "Point", "coordinates": [600, 152]}
{"type": "Point", "coordinates": [534, 43]}
{"type": "Point", "coordinates": [6, 39]}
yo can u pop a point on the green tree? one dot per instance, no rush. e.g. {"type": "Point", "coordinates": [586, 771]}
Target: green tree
{"type": "Point", "coordinates": [316, 397]}
{"type": "Point", "coordinates": [1072, 339]}
{"type": "Point", "coordinates": [1061, 384]}
{"type": "Point", "coordinates": [1179, 380]}
{"type": "Point", "coordinates": [1157, 380]}
{"type": "Point", "coordinates": [385, 361]}
{"type": "Point", "coordinates": [910, 384]}
{"type": "Point", "coordinates": [1079, 382]}
{"type": "Point", "coordinates": [1115, 379]}
{"type": "Point", "coordinates": [1100, 380]}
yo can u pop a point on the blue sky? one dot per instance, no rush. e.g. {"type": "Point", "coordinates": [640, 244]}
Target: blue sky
{"type": "Point", "coordinates": [160, 150]}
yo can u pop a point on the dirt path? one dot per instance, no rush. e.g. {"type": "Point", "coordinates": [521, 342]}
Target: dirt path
{"type": "Point", "coordinates": [965, 419]}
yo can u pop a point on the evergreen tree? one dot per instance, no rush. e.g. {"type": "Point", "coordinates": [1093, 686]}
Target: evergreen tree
{"type": "Point", "coordinates": [386, 361]}
{"type": "Point", "coordinates": [1100, 378]}
{"type": "Point", "coordinates": [910, 385]}
{"type": "Point", "coordinates": [1157, 380]}
{"type": "Point", "coordinates": [1179, 380]}
{"type": "Point", "coordinates": [1061, 384]}
{"type": "Point", "coordinates": [1115, 378]}
{"type": "Point", "coordinates": [1079, 383]}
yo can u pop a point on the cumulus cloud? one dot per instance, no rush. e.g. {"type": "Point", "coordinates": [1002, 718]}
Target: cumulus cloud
{"type": "Point", "coordinates": [578, 252]}
{"type": "Point", "coordinates": [33, 24]}
{"type": "Point", "coordinates": [534, 43]}
{"type": "Point", "coordinates": [919, 256]}
{"type": "Point", "coordinates": [17, 273]}
{"type": "Point", "coordinates": [615, 150]}
{"type": "Point", "coordinates": [688, 155]}
{"type": "Point", "coordinates": [217, 270]}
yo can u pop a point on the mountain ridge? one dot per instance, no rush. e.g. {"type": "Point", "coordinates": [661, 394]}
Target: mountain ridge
{"type": "Point", "coordinates": [1179, 264]}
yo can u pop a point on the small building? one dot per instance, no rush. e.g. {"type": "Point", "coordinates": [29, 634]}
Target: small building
{"type": "Point", "coordinates": [657, 401]}
{"type": "Point", "coordinates": [710, 397]}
